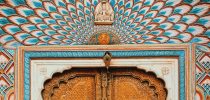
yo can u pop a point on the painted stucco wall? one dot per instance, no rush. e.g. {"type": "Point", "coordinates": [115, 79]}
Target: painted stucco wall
{"type": "Point", "coordinates": [71, 22]}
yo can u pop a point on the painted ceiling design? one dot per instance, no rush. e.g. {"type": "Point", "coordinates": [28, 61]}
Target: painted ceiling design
{"type": "Point", "coordinates": [71, 22]}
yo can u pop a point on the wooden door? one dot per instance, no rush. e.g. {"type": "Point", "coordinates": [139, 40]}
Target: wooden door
{"type": "Point", "coordinates": [103, 84]}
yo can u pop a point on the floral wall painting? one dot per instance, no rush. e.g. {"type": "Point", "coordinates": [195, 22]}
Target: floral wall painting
{"type": "Point", "coordinates": [72, 22]}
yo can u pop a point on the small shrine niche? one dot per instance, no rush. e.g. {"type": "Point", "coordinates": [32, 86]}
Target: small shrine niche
{"type": "Point", "coordinates": [104, 14]}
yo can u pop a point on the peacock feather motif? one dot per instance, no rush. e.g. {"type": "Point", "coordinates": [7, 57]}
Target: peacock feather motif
{"type": "Point", "coordinates": [71, 22]}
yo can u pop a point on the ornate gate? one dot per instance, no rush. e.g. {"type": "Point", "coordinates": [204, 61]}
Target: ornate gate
{"type": "Point", "coordinates": [103, 84]}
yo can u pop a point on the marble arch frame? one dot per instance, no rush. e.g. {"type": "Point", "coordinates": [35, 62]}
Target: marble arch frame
{"type": "Point", "coordinates": [183, 51]}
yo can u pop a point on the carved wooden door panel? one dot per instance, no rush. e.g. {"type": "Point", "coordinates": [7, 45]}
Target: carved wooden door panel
{"type": "Point", "coordinates": [103, 84]}
{"type": "Point", "coordinates": [74, 84]}
{"type": "Point", "coordinates": [135, 84]}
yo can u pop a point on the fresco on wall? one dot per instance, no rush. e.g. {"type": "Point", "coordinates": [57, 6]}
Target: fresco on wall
{"type": "Point", "coordinates": [71, 22]}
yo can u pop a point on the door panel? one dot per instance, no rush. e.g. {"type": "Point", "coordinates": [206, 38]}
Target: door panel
{"type": "Point", "coordinates": [80, 88]}
{"type": "Point", "coordinates": [103, 84]}
{"type": "Point", "coordinates": [127, 88]}
{"type": "Point", "coordinates": [74, 84]}
{"type": "Point", "coordinates": [135, 84]}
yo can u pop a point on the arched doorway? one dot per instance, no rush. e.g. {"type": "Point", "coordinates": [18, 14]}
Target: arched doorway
{"type": "Point", "coordinates": [103, 84]}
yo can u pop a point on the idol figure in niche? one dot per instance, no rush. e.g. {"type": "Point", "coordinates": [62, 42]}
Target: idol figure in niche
{"type": "Point", "coordinates": [104, 12]}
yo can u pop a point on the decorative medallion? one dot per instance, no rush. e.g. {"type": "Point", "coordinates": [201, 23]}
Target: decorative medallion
{"type": "Point", "coordinates": [104, 14]}
{"type": "Point", "coordinates": [103, 38]}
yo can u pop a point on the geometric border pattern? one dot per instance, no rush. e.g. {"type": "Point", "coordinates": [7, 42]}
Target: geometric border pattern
{"type": "Point", "coordinates": [202, 73]}
{"type": "Point", "coordinates": [6, 74]}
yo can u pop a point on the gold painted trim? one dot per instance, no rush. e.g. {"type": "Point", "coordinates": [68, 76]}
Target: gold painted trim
{"type": "Point", "coordinates": [186, 47]}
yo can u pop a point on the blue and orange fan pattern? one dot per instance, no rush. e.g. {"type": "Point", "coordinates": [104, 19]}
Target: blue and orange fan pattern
{"type": "Point", "coordinates": [71, 22]}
